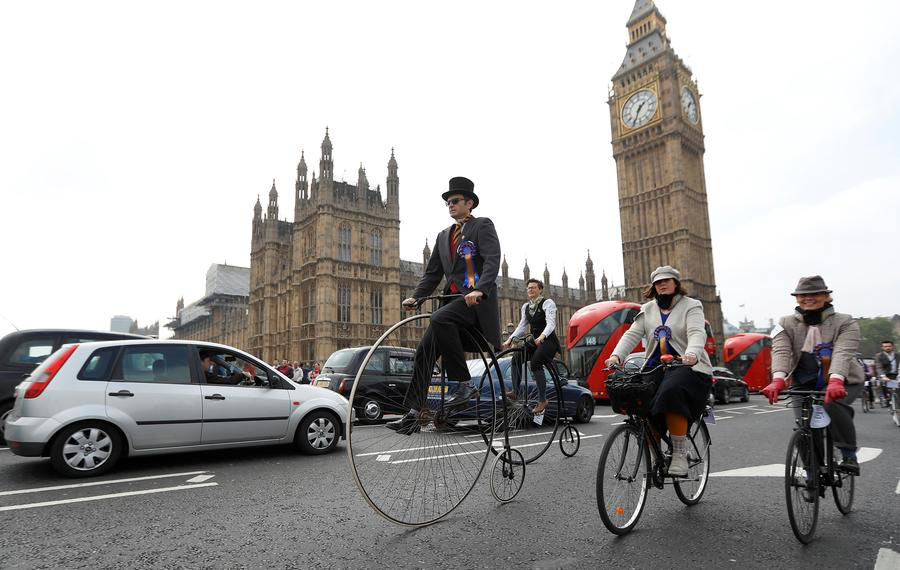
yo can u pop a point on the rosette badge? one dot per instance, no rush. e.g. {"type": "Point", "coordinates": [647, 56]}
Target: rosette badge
{"type": "Point", "coordinates": [466, 250]}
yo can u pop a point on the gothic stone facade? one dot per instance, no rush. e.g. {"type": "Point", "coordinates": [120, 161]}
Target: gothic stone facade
{"type": "Point", "coordinates": [333, 278]}
{"type": "Point", "coordinates": [657, 138]}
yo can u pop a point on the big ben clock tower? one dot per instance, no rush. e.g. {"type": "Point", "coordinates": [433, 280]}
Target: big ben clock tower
{"type": "Point", "coordinates": [657, 138]}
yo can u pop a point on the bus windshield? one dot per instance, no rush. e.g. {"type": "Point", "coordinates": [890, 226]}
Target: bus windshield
{"type": "Point", "coordinates": [740, 364]}
{"type": "Point", "coordinates": [586, 352]}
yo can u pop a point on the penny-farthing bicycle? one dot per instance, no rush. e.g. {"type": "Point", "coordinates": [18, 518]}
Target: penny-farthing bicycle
{"type": "Point", "coordinates": [417, 479]}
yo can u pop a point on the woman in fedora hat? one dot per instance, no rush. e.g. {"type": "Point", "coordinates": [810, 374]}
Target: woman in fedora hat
{"type": "Point", "coordinates": [816, 347]}
{"type": "Point", "coordinates": [672, 323]}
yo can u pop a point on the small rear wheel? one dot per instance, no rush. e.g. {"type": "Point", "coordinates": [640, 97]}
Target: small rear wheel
{"type": "Point", "coordinates": [801, 486]}
{"type": "Point", "coordinates": [507, 475]}
{"type": "Point", "coordinates": [843, 489]}
{"type": "Point", "coordinates": [569, 441]}
{"type": "Point", "coordinates": [623, 479]}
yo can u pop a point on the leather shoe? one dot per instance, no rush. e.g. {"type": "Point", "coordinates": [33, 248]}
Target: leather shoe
{"type": "Point", "coordinates": [850, 466]}
{"type": "Point", "coordinates": [410, 423]}
{"type": "Point", "coordinates": [463, 394]}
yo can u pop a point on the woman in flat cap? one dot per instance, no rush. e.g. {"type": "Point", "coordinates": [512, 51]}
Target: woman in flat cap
{"type": "Point", "coordinates": [816, 348]}
{"type": "Point", "coordinates": [672, 323]}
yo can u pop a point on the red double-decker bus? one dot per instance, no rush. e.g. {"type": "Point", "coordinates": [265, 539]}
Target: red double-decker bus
{"type": "Point", "coordinates": [592, 335]}
{"type": "Point", "coordinates": [749, 357]}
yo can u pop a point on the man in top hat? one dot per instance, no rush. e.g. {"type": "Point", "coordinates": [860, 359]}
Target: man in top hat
{"type": "Point", "coordinates": [467, 255]}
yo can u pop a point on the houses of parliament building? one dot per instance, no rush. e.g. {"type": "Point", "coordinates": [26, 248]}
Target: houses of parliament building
{"type": "Point", "coordinates": [332, 278]}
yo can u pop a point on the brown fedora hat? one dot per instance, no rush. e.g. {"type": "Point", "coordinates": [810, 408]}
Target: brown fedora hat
{"type": "Point", "coordinates": [811, 285]}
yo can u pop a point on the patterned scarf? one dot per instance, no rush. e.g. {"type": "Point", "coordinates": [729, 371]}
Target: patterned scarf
{"type": "Point", "coordinates": [533, 305]}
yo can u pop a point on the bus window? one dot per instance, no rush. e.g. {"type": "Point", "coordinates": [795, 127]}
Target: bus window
{"type": "Point", "coordinates": [586, 352]}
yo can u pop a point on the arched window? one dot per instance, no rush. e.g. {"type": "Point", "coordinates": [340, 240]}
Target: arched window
{"type": "Point", "coordinates": [375, 248]}
{"type": "Point", "coordinates": [343, 305]}
{"type": "Point", "coordinates": [375, 302]}
{"type": "Point", "coordinates": [344, 242]}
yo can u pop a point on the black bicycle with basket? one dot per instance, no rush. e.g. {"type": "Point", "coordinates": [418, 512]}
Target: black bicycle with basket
{"type": "Point", "coordinates": [633, 459]}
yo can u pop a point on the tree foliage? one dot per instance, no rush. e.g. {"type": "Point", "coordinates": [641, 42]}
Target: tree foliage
{"type": "Point", "coordinates": [872, 332]}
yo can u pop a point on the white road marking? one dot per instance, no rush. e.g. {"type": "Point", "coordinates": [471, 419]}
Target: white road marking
{"type": "Point", "coordinates": [887, 560]}
{"type": "Point", "coordinates": [103, 497]}
{"type": "Point", "coordinates": [731, 412]}
{"type": "Point", "coordinates": [606, 416]}
{"type": "Point", "coordinates": [772, 411]}
{"type": "Point", "coordinates": [96, 483]}
{"type": "Point", "coordinates": [200, 478]}
{"type": "Point", "coordinates": [720, 418]}
{"type": "Point", "coordinates": [617, 424]}
{"type": "Point", "coordinates": [383, 458]}
{"type": "Point", "coordinates": [737, 408]}
{"type": "Point", "coordinates": [777, 469]}
{"type": "Point", "coordinates": [898, 488]}
{"type": "Point", "coordinates": [474, 452]}
{"type": "Point", "coordinates": [444, 445]}
{"type": "Point", "coordinates": [3, 448]}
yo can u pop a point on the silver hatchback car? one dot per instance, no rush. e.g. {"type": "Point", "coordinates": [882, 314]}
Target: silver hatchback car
{"type": "Point", "coordinates": [89, 404]}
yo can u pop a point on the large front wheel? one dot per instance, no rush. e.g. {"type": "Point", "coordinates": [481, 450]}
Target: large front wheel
{"type": "Point", "coordinates": [417, 475]}
{"type": "Point", "coordinates": [623, 479]}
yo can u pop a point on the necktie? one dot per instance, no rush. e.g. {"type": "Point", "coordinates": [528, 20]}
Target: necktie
{"type": "Point", "coordinates": [454, 239]}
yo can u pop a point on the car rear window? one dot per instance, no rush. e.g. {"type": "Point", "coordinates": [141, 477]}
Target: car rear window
{"type": "Point", "coordinates": [99, 365]}
{"type": "Point", "coordinates": [32, 351]}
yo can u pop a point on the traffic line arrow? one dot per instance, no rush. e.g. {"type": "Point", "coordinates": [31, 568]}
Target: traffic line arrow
{"type": "Point", "coordinates": [777, 469]}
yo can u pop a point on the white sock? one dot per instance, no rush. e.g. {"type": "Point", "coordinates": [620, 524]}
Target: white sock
{"type": "Point", "coordinates": [678, 444]}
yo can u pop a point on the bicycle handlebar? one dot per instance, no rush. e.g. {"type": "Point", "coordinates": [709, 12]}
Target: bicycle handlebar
{"type": "Point", "coordinates": [421, 301]}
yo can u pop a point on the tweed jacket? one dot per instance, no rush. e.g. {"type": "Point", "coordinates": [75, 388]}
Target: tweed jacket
{"type": "Point", "coordinates": [837, 328]}
{"type": "Point", "coordinates": [688, 325]}
{"type": "Point", "coordinates": [486, 261]}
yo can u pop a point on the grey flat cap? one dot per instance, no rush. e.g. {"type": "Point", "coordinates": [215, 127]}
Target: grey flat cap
{"type": "Point", "coordinates": [811, 285]}
{"type": "Point", "coordinates": [664, 272]}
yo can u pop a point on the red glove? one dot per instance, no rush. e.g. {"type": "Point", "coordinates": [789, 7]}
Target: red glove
{"type": "Point", "coordinates": [835, 390]}
{"type": "Point", "coordinates": [771, 391]}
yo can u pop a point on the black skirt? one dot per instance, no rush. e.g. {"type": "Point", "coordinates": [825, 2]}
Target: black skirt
{"type": "Point", "coordinates": [681, 391]}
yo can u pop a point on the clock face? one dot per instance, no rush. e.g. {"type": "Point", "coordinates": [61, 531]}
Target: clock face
{"type": "Point", "coordinates": [639, 109]}
{"type": "Point", "coordinates": [689, 105]}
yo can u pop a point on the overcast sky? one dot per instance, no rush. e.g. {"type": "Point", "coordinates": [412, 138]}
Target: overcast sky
{"type": "Point", "coordinates": [134, 141]}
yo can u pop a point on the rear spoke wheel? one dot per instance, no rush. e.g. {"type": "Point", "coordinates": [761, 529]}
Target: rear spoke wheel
{"type": "Point", "coordinates": [801, 486]}
{"type": "Point", "coordinates": [507, 475]}
{"type": "Point", "coordinates": [569, 441]}
{"type": "Point", "coordinates": [690, 489]}
{"type": "Point", "coordinates": [843, 489]}
{"type": "Point", "coordinates": [623, 479]}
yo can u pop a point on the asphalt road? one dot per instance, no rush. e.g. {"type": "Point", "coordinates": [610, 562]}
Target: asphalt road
{"type": "Point", "coordinates": [273, 508]}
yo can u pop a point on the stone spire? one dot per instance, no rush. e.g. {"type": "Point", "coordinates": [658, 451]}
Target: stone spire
{"type": "Point", "coordinates": [326, 163]}
{"type": "Point", "coordinates": [589, 282]}
{"type": "Point", "coordinates": [526, 272]}
{"type": "Point", "coordinates": [604, 287]}
{"type": "Point", "coordinates": [301, 188]}
{"type": "Point", "coordinates": [426, 253]}
{"type": "Point", "coordinates": [272, 211]}
{"type": "Point", "coordinates": [546, 278]}
{"type": "Point", "coordinates": [504, 268]}
{"type": "Point", "coordinates": [565, 283]}
{"type": "Point", "coordinates": [362, 182]}
{"type": "Point", "coordinates": [393, 182]}
{"type": "Point", "coordinates": [645, 20]}
{"type": "Point", "coordinates": [581, 285]}
{"type": "Point", "coordinates": [257, 209]}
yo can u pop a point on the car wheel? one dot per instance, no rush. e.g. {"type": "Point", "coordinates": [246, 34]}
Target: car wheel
{"type": "Point", "coordinates": [585, 410]}
{"type": "Point", "coordinates": [318, 433]}
{"type": "Point", "coordinates": [746, 396]}
{"type": "Point", "coordinates": [86, 449]}
{"type": "Point", "coordinates": [5, 410]}
{"type": "Point", "coordinates": [371, 411]}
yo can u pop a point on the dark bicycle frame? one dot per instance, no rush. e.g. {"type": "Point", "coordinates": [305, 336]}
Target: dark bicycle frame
{"type": "Point", "coordinates": [810, 397]}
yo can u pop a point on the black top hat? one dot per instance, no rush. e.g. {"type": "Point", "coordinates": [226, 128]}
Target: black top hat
{"type": "Point", "coordinates": [811, 285]}
{"type": "Point", "coordinates": [464, 186]}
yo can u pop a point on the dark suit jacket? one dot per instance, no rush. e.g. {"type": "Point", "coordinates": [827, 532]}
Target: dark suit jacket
{"type": "Point", "coordinates": [442, 264]}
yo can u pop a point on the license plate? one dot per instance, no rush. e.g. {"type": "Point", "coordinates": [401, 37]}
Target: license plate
{"type": "Point", "coordinates": [323, 383]}
{"type": "Point", "coordinates": [436, 389]}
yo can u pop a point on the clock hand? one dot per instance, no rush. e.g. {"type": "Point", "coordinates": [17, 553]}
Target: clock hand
{"type": "Point", "coordinates": [638, 110]}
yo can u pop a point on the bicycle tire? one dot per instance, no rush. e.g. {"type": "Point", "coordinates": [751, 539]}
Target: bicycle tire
{"type": "Point", "coordinates": [843, 490]}
{"type": "Point", "coordinates": [614, 472]}
{"type": "Point", "coordinates": [698, 466]}
{"type": "Point", "coordinates": [569, 441]}
{"type": "Point", "coordinates": [507, 475]}
{"type": "Point", "coordinates": [802, 492]}
{"type": "Point", "coordinates": [530, 438]}
{"type": "Point", "coordinates": [415, 480]}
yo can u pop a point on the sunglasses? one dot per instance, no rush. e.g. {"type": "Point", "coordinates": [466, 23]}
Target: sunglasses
{"type": "Point", "coordinates": [454, 201]}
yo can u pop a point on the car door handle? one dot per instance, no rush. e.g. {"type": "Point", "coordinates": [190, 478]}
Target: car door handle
{"type": "Point", "coordinates": [124, 393]}
{"type": "Point", "coordinates": [215, 397]}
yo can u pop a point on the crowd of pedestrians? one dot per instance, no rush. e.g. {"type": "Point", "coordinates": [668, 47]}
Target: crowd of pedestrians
{"type": "Point", "coordinates": [303, 373]}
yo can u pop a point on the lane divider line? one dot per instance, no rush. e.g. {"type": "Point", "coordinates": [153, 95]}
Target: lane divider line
{"type": "Point", "coordinates": [887, 559]}
{"type": "Point", "coordinates": [96, 483]}
{"type": "Point", "coordinates": [473, 442]}
{"type": "Point", "coordinates": [3, 448]}
{"type": "Point", "coordinates": [200, 478]}
{"type": "Point", "coordinates": [399, 461]}
{"type": "Point", "coordinates": [103, 497]}
{"type": "Point", "coordinates": [772, 411]}
{"type": "Point", "coordinates": [898, 488]}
